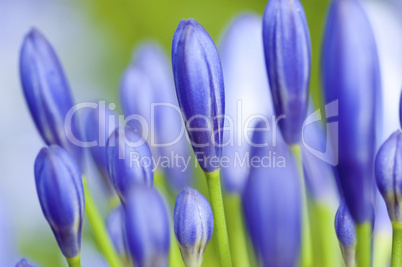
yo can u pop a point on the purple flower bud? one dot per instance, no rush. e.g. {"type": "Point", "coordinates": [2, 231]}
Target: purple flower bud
{"type": "Point", "coordinates": [271, 200]}
{"type": "Point", "coordinates": [61, 196]}
{"type": "Point", "coordinates": [388, 173]}
{"type": "Point", "coordinates": [147, 90]}
{"type": "Point", "coordinates": [24, 263]}
{"type": "Point", "coordinates": [247, 91]}
{"type": "Point", "coordinates": [288, 59]}
{"type": "Point", "coordinates": [346, 233]}
{"type": "Point", "coordinates": [350, 72]}
{"type": "Point", "coordinates": [47, 92]}
{"type": "Point", "coordinates": [115, 229]}
{"type": "Point", "coordinates": [200, 92]}
{"type": "Point", "coordinates": [147, 227]}
{"type": "Point", "coordinates": [129, 161]}
{"type": "Point", "coordinates": [193, 225]}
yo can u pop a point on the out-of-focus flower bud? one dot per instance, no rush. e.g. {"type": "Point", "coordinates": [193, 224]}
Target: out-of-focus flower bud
{"type": "Point", "coordinates": [247, 91]}
{"type": "Point", "coordinates": [47, 93]}
{"type": "Point", "coordinates": [24, 263]}
{"type": "Point", "coordinates": [350, 71]}
{"type": "Point", "coordinates": [147, 90]}
{"type": "Point", "coordinates": [193, 225]}
{"type": "Point", "coordinates": [129, 161]}
{"type": "Point", "coordinates": [288, 59]}
{"type": "Point", "coordinates": [388, 173]}
{"type": "Point", "coordinates": [147, 227]}
{"type": "Point", "coordinates": [198, 78]}
{"type": "Point", "coordinates": [61, 196]}
{"type": "Point", "coordinates": [272, 200]}
{"type": "Point", "coordinates": [400, 110]}
{"type": "Point", "coordinates": [115, 229]}
{"type": "Point", "coordinates": [346, 233]}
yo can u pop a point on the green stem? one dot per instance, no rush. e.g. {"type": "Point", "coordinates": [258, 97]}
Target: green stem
{"type": "Point", "coordinates": [306, 259]}
{"type": "Point", "coordinates": [220, 231]}
{"type": "Point", "coordinates": [74, 262]}
{"type": "Point", "coordinates": [99, 230]}
{"type": "Point", "coordinates": [325, 242]}
{"type": "Point", "coordinates": [396, 244]}
{"type": "Point", "coordinates": [363, 246]}
{"type": "Point", "coordinates": [235, 223]}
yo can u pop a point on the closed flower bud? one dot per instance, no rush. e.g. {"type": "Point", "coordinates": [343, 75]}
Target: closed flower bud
{"type": "Point", "coordinates": [193, 225]}
{"type": "Point", "coordinates": [198, 78]}
{"type": "Point", "coordinates": [388, 173]}
{"type": "Point", "coordinates": [129, 161]}
{"type": "Point", "coordinates": [288, 59]}
{"type": "Point", "coordinates": [115, 229]}
{"type": "Point", "coordinates": [24, 263]}
{"type": "Point", "coordinates": [272, 200]}
{"type": "Point", "coordinates": [246, 92]}
{"type": "Point", "coordinates": [346, 233]}
{"type": "Point", "coordinates": [147, 227]}
{"type": "Point", "coordinates": [47, 93]}
{"type": "Point", "coordinates": [350, 71]}
{"type": "Point", "coordinates": [61, 196]}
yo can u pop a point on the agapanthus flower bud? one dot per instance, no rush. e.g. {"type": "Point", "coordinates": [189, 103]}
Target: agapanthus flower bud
{"type": "Point", "coordinates": [129, 161]}
{"type": "Point", "coordinates": [47, 92]}
{"type": "Point", "coordinates": [350, 71]}
{"type": "Point", "coordinates": [193, 225]}
{"type": "Point", "coordinates": [61, 196]}
{"type": "Point", "coordinates": [115, 229]}
{"type": "Point", "coordinates": [288, 59]}
{"type": "Point", "coordinates": [272, 200]}
{"type": "Point", "coordinates": [198, 78]}
{"type": "Point", "coordinates": [24, 263]}
{"type": "Point", "coordinates": [346, 233]}
{"type": "Point", "coordinates": [388, 173]}
{"type": "Point", "coordinates": [246, 92]}
{"type": "Point", "coordinates": [147, 90]}
{"type": "Point", "coordinates": [147, 227]}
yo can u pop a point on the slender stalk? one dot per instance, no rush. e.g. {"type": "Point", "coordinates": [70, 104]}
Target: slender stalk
{"type": "Point", "coordinates": [220, 231]}
{"type": "Point", "coordinates": [363, 246]}
{"type": "Point", "coordinates": [396, 244]}
{"type": "Point", "coordinates": [324, 241]}
{"type": "Point", "coordinates": [74, 262]}
{"type": "Point", "coordinates": [306, 259]}
{"type": "Point", "coordinates": [235, 223]}
{"type": "Point", "coordinates": [99, 230]}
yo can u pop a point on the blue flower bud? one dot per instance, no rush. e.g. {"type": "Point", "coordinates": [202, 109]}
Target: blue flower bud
{"type": "Point", "coordinates": [47, 92]}
{"type": "Point", "coordinates": [115, 229]}
{"type": "Point", "coordinates": [24, 263]}
{"type": "Point", "coordinates": [346, 233]}
{"type": "Point", "coordinates": [129, 161]}
{"type": "Point", "coordinates": [147, 90]}
{"type": "Point", "coordinates": [247, 91]}
{"type": "Point", "coordinates": [388, 173]}
{"type": "Point", "coordinates": [271, 200]}
{"type": "Point", "coordinates": [61, 196]}
{"type": "Point", "coordinates": [288, 59]}
{"type": "Point", "coordinates": [198, 78]}
{"type": "Point", "coordinates": [193, 225]}
{"type": "Point", "coordinates": [350, 71]}
{"type": "Point", "coordinates": [147, 227]}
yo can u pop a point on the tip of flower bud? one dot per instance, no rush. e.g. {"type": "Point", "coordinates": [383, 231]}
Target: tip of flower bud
{"type": "Point", "coordinates": [346, 233]}
{"type": "Point", "coordinates": [193, 225]}
{"type": "Point", "coordinates": [24, 263]}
